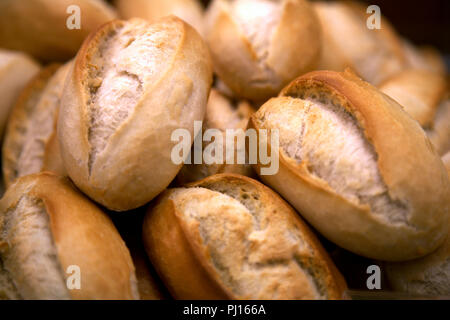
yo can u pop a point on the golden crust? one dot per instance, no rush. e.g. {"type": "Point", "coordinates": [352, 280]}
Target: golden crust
{"type": "Point", "coordinates": [190, 11]}
{"type": "Point", "coordinates": [189, 272]}
{"type": "Point", "coordinates": [396, 139]}
{"type": "Point", "coordinates": [83, 235]}
{"type": "Point", "coordinates": [16, 70]}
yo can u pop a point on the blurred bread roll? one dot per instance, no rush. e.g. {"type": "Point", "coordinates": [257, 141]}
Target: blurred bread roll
{"type": "Point", "coordinates": [419, 92]}
{"type": "Point", "coordinates": [221, 114]}
{"type": "Point", "coordinates": [439, 133]}
{"type": "Point", "coordinates": [132, 85]}
{"type": "Point", "coordinates": [40, 27]}
{"type": "Point", "coordinates": [258, 46]}
{"type": "Point", "coordinates": [47, 231]}
{"type": "Point", "coordinates": [425, 58]}
{"type": "Point", "coordinates": [347, 42]}
{"type": "Point", "coordinates": [357, 166]}
{"type": "Point", "coordinates": [16, 70]}
{"type": "Point", "coordinates": [30, 144]}
{"type": "Point", "coordinates": [230, 237]}
{"type": "Point", "coordinates": [191, 11]}
{"type": "Point", "coordinates": [434, 59]}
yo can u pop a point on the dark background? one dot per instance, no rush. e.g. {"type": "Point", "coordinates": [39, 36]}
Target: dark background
{"type": "Point", "coordinates": [423, 22]}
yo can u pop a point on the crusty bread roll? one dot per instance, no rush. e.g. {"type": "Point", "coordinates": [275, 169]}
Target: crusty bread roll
{"type": "Point", "coordinates": [222, 114]}
{"type": "Point", "coordinates": [429, 275]}
{"type": "Point", "coordinates": [29, 145]}
{"type": "Point", "coordinates": [190, 11]}
{"type": "Point", "coordinates": [439, 133]}
{"type": "Point", "coordinates": [258, 46]}
{"type": "Point", "coordinates": [39, 27]}
{"type": "Point", "coordinates": [46, 226]}
{"type": "Point", "coordinates": [357, 166]}
{"type": "Point", "coordinates": [230, 237]}
{"type": "Point", "coordinates": [347, 42]}
{"type": "Point", "coordinates": [419, 92]}
{"type": "Point", "coordinates": [133, 83]}
{"type": "Point", "coordinates": [16, 70]}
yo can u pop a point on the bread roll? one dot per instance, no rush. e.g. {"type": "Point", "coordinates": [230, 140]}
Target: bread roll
{"type": "Point", "coordinates": [357, 167]}
{"type": "Point", "coordinates": [46, 226]}
{"type": "Point", "coordinates": [29, 145]}
{"type": "Point", "coordinates": [429, 275]}
{"type": "Point", "coordinates": [39, 27]}
{"type": "Point", "coordinates": [419, 92]}
{"type": "Point", "coordinates": [230, 237]}
{"type": "Point", "coordinates": [222, 114]}
{"type": "Point", "coordinates": [347, 42]}
{"type": "Point", "coordinates": [16, 70]}
{"type": "Point", "coordinates": [258, 46]}
{"type": "Point", "coordinates": [439, 133]}
{"type": "Point", "coordinates": [133, 84]}
{"type": "Point", "coordinates": [190, 11]}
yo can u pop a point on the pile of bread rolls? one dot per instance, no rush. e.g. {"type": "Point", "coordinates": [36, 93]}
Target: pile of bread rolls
{"type": "Point", "coordinates": [94, 207]}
